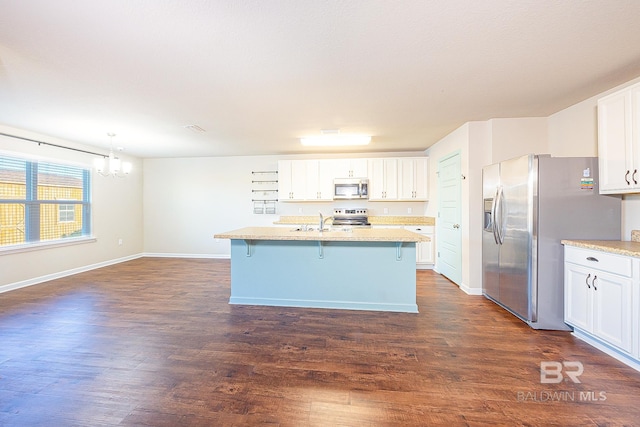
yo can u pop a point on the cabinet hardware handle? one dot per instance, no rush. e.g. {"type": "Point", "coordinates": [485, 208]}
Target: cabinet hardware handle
{"type": "Point", "coordinates": [593, 282]}
{"type": "Point", "coordinates": [587, 281]}
{"type": "Point", "coordinates": [626, 178]}
{"type": "Point", "coordinates": [590, 258]}
{"type": "Point", "coordinates": [635, 171]}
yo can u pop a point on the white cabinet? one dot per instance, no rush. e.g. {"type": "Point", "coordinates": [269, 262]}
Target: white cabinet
{"type": "Point", "coordinates": [383, 179]}
{"type": "Point", "coordinates": [350, 168]}
{"type": "Point", "coordinates": [598, 296]}
{"type": "Point", "coordinates": [292, 180]}
{"type": "Point", "coordinates": [424, 250]}
{"type": "Point", "coordinates": [619, 141]}
{"type": "Point", "coordinates": [305, 180]}
{"type": "Point", "coordinates": [319, 176]}
{"type": "Point", "coordinates": [412, 178]}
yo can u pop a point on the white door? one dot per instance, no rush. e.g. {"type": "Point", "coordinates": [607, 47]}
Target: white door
{"type": "Point", "coordinates": [449, 244]}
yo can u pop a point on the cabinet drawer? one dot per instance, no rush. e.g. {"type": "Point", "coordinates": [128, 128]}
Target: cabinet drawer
{"type": "Point", "coordinates": [421, 229]}
{"type": "Point", "coordinates": [611, 263]}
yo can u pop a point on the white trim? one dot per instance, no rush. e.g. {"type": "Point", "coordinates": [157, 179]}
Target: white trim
{"type": "Point", "coordinates": [470, 291]}
{"type": "Point", "coordinates": [47, 244]}
{"type": "Point", "coordinates": [343, 305]}
{"type": "Point", "coordinates": [53, 276]}
{"type": "Point", "coordinates": [607, 349]}
{"type": "Point", "coordinates": [173, 255]}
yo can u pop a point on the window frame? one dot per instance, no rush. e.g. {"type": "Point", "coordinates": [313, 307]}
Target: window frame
{"type": "Point", "coordinates": [32, 205]}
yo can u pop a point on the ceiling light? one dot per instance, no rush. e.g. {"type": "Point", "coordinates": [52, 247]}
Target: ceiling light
{"type": "Point", "coordinates": [335, 139]}
{"type": "Point", "coordinates": [111, 165]}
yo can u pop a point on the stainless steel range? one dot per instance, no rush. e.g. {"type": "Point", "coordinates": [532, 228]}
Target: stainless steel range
{"type": "Point", "coordinates": [346, 217]}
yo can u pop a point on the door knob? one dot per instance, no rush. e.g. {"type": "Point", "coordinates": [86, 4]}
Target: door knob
{"type": "Point", "coordinates": [456, 225]}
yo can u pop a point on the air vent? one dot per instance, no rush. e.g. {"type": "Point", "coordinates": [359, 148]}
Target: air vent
{"type": "Point", "coordinates": [195, 128]}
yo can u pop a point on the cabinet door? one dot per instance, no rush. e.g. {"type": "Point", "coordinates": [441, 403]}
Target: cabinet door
{"type": "Point", "coordinates": [358, 168]}
{"type": "Point", "coordinates": [412, 178]}
{"type": "Point", "coordinates": [578, 296]}
{"type": "Point", "coordinates": [382, 179]}
{"type": "Point", "coordinates": [391, 179]}
{"type": "Point", "coordinates": [326, 174]}
{"type": "Point", "coordinates": [635, 137]}
{"type": "Point", "coordinates": [615, 142]}
{"type": "Point", "coordinates": [298, 180]}
{"type": "Point", "coordinates": [284, 180]}
{"type": "Point", "coordinates": [612, 309]}
{"type": "Point", "coordinates": [424, 250]}
{"type": "Point", "coordinates": [312, 174]}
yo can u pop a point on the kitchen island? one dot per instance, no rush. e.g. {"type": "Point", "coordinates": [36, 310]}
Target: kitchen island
{"type": "Point", "coordinates": [358, 269]}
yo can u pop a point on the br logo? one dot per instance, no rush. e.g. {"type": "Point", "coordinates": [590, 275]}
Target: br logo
{"type": "Point", "coordinates": [551, 372]}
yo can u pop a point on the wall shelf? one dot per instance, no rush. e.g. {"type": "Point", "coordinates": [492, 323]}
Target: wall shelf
{"type": "Point", "coordinates": [264, 191]}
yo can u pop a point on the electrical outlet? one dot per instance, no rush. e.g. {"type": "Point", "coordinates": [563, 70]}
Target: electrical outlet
{"type": "Point", "coordinates": [385, 210]}
{"type": "Point", "coordinates": [409, 210]}
{"type": "Point", "coordinates": [120, 242]}
{"type": "Point", "coordinates": [299, 210]}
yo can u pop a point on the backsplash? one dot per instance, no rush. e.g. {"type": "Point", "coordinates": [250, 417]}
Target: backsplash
{"type": "Point", "coordinates": [635, 235]}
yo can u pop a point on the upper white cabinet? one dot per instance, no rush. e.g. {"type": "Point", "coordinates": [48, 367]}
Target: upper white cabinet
{"type": "Point", "coordinates": [412, 178]}
{"type": "Point", "coordinates": [320, 174]}
{"type": "Point", "coordinates": [305, 180]}
{"type": "Point", "coordinates": [350, 168]}
{"type": "Point", "coordinates": [390, 179]}
{"type": "Point", "coordinates": [619, 141]}
{"type": "Point", "coordinates": [292, 180]}
{"type": "Point", "coordinates": [383, 179]}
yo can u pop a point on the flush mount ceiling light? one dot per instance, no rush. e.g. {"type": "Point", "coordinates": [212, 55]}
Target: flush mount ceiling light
{"type": "Point", "coordinates": [111, 165]}
{"type": "Point", "coordinates": [335, 138]}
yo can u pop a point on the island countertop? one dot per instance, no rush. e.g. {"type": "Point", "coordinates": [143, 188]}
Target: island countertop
{"type": "Point", "coordinates": [354, 235]}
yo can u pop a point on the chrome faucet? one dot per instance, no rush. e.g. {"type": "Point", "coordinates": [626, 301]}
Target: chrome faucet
{"type": "Point", "coordinates": [322, 221]}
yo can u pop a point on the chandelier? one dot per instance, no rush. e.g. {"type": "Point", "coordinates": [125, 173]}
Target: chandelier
{"type": "Point", "coordinates": [111, 165]}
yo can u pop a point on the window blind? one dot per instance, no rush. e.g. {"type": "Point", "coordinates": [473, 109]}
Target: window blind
{"type": "Point", "coordinates": [42, 201]}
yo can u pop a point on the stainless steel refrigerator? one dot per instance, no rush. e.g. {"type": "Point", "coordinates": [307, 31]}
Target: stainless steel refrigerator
{"type": "Point", "coordinates": [531, 203]}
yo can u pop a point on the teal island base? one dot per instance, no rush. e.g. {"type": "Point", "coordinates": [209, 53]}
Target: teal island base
{"type": "Point", "coordinates": [355, 275]}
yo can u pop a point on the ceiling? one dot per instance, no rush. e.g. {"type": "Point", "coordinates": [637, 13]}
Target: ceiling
{"type": "Point", "coordinates": [257, 75]}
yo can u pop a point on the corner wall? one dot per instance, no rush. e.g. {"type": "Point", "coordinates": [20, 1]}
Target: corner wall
{"type": "Point", "coordinates": [116, 214]}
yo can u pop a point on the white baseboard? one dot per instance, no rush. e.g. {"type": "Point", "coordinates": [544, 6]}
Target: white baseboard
{"type": "Point", "coordinates": [173, 255]}
{"type": "Point", "coordinates": [60, 274]}
{"type": "Point", "coordinates": [470, 291]}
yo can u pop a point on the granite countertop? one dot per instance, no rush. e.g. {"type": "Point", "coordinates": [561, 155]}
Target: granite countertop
{"type": "Point", "coordinates": [374, 220]}
{"type": "Point", "coordinates": [618, 247]}
{"type": "Point", "coordinates": [354, 235]}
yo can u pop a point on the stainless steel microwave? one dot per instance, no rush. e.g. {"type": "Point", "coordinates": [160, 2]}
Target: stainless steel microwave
{"type": "Point", "coordinates": [350, 188]}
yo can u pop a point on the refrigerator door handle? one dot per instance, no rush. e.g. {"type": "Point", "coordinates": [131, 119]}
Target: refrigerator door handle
{"type": "Point", "coordinates": [500, 216]}
{"type": "Point", "coordinates": [494, 204]}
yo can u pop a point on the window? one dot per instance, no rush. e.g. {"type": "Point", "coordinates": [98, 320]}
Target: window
{"type": "Point", "coordinates": [66, 213]}
{"type": "Point", "coordinates": [42, 201]}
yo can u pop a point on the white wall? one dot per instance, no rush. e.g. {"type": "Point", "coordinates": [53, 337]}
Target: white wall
{"type": "Point", "coordinates": [516, 137]}
{"type": "Point", "coordinates": [574, 132]}
{"type": "Point", "coordinates": [188, 200]}
{"type": "Point", "coordinates": [571, 132]}
{"type": "Point", "coordinates": [472, 140]}
{"type": "Point", "coordinates": [116, 213]}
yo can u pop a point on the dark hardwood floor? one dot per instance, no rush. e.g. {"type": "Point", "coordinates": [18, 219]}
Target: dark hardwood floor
{"type": "Point", "coordinates": [154, 342]}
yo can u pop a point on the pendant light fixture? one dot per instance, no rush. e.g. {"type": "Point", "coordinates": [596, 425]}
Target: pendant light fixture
{"type": "Point", "coordinates": [112, 165]}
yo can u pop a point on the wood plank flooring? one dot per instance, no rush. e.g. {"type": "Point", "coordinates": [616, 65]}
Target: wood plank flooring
{"type": "Point", "coordinates": [154, 342]}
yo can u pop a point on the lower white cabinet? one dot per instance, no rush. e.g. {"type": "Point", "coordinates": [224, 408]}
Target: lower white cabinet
{"type": "Point", "coordinates": [601, 300]}
{"type": "Point", "coordinates": [424, 250]}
